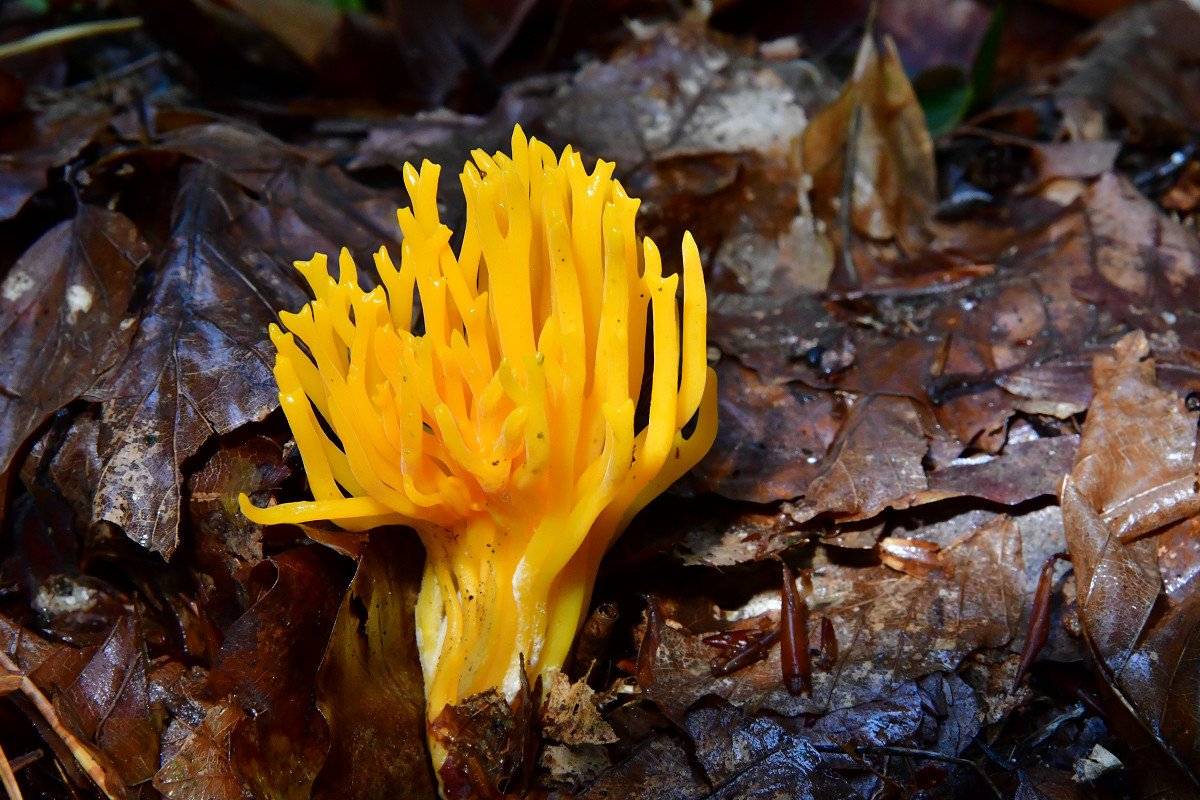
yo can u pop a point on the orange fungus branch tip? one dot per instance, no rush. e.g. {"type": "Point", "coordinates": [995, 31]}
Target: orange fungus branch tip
{"type": "Point", "coordinates": [505, 431]}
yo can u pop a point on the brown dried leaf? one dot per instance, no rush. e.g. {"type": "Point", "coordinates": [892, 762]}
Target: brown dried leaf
{"type": "Point", "coordinates": [202, 769]}
{"type": "Point", "coordinates": [890, 628]}
{"type": "Point", "coordinates": [269, 663]}
{"type": "Point", "coordinates": [369, 687]}
{"type": "Point", "coordinates": [699, 125]}
{"type": "Point", "coordinates": [770, 440]}
{"type": "Point", "coordinates": [109, 704]}
{"type": "Point", "coordinates": [894, 189]}
{"type": "Point", "coordinates": [755, 756]}
{"type": "Point", "coordinates": [1138, 63]}
{"type": "Point", "coordinates": [35, 144]}
{"type": "Point", "coordinates": [571, 715]}
{"type": "Point", "coordinates": [1145, 266]}
{"type": "Point", "coordinates": [52, 666]}
{"type": "Point", "coordinates": [1135, 473]}
{"type": "Point", "coordinates": [490, 743]}
{"type": "Point", "coordinates": [445, 41]}
{"type": "Point", "coordinates": [1023, 471]}
{"type": "Point", "coordinates": [659, 768]}
{"type": "Point", "coordinates": [194, 368]}
{"type": "Point", "coordinates": [227, 544]}
{"type": "Point", "coordinates": [875, 463]}
{"type": "Point", "coordinates": [64, 303]}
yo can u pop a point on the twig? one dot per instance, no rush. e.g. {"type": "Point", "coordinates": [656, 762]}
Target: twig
{"type": "Point", "coordinates": [8, 778]}
{"type": "Point", "coordinates": [1046, 731]}
{"type": "Point", "coordinates": [17, 680]}
{"type": "Point", "coordinates": [68, 33]}
{"type": "Point", "coordinates": [932, 755]}
{"type": "Point", "coordinates": [21, 762]}
{"type": "Point", "coordinates": [849, 165]}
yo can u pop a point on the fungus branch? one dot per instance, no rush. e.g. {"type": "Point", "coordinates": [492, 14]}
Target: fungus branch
{"type": "Point", "coordinates": [504, 430]}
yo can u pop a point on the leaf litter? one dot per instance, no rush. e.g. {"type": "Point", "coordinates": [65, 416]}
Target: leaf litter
{"type": "Point", "coordinates": [941, 362]}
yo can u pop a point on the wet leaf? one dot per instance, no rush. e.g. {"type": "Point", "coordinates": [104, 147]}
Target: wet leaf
{"type": "Point", "coordinates": [1023, 471]}
{"type": "Point", "coordinates": [770, 439]}
{"type": "Point", "coordinates": [64, 303]}
{"type": "Point", "coordinates": [369, 687]}
{"type": "Point", "coordinates": [891, 627]}
{"type": "Point", "coordinates": [227, 545]}
{"type": "Point", "coordinates": [52, 666]}
{"type": "Point", "coordinates": [201, 768]}
{"type": "Point", "coordinates": [1134, 474]}
{"type": "Point", "coordinates": [194, 369]}
{"type": "Point", "coordinates": [876, 463]}
{"type": "Point", "coordinates": [37, 143]}
{"type": "Point", "coordinates": [109, 704]}
{"type": "Point", "coordinates": [756, 757]}
{"type": "Point", "coordinates": [660, 767]}
{"type": "Point", "coordinates": [893, 186]}
{"type": "Point", "coordinates": [490, 744]}
{"type": "Point", "coordinates": [269, 663]}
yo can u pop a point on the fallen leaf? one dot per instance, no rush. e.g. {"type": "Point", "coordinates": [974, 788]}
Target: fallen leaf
{"type": "Point", "coordinates": [1135, 474]}
{"type": "Point", "coordinates": [1137, 63]}
{"type": "Point", "coordinates": [571, 715]}
{"type": "Point", "coordinates": [109, 704]}
{"type": "Point", "coordinates": [874, 464]}
{"type": "Point", "coordinates": [64, 303]}
{"type": "Point", "coordinates": [269, 663]}
{"type": "Point", "coordinates": [37, 143]}
{"type": "Point", "coordinates": [490, 742]}
{"type": "Point", "coordinates": [193, 369]}
{"type": "Point", "coordinates": [201, 768]}
{"type": "Point", "coordinates": [369, 687]}
{"type": "Point", "coordinates": [770, 438]}
{"type": "Point", "coordinates": [894, 190]}
{"type": "Point", "coordinates": [890, 628]}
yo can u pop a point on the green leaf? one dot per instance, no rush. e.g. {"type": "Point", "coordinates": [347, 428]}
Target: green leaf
{"type": "Point", "coordinates": [984, 68]}
{"type": "Point", "coordinates": [344, 5]}
{"type": "Point", "coordinates": [945, 95]}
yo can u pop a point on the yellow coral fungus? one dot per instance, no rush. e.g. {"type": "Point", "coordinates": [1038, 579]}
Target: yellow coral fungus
{"type": "Point", "coordinates": [506, 431]}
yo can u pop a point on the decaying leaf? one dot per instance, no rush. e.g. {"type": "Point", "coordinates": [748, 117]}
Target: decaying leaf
{"type": "Point", "coordinates": [878, 120]}
{"type": "Point", "coordinates": [201, 767]}
{"type": "Point", "coordinates": [1135, 474]}
{"type": "Point", "coordinates": [193, 369]}
{"type": "Point", "coordinates": [269, 663]}
{"type": "Point", "coordinates": [34, 144]}
{"type": "Point", "coordinates": [890, 627]}
{"type": "Point", "coordinates": [109, 704]}
{"type": "Point", "coordinates": [369, 686]}
{"type": "Point", "coordinates": [70, 293]}
{"type": "Point", "coordinates": [491, 744]}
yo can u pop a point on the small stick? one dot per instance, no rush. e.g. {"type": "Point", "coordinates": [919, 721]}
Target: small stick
{"type": "Point", "coordinates": [81, 752]}
{"type": "Point", "coordinates": [849, 165]}
{"type": "Point", "coordinates": [932, 755]}
{"type": "Point", "coordinates": [1076, 711]}
{"type": "Point", "coordinates": [8, 778]}
{"type": "Point", "coordinates": [68, 33]}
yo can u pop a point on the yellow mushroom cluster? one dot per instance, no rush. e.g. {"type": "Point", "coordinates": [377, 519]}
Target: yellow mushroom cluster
{"type": "Point", "coordinates": [500, 418]}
